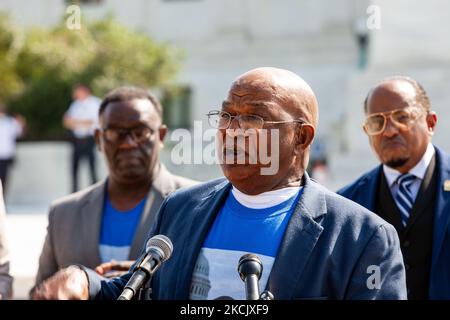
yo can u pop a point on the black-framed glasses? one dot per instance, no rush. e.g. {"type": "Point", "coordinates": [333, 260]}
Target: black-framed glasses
{"type": "Point", "coordinates": [402, 118]}
{"type": "Point", "coordinates": [139, 134]}
{"type": "Point", "coordinates": [222, 120]}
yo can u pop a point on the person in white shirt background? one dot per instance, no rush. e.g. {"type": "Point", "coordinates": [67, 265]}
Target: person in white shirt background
{"type": "Point", "coordinates": [11, 127]}
{"type": "Point", "coordinates": [81, 119]}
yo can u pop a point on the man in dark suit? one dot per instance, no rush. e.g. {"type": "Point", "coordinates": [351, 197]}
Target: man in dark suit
{"type": "Point", "coordinates": [105, 225]}
{"type": "Point", "coordinates": [313, 243]}
{"type": "Point", "coordinates": [411, 187]}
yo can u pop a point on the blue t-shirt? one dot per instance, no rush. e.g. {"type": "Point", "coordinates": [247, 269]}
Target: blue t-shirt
{"type": "Point", "coordinates": [117, 231]}
{"type": "Point", "coordinates": [236, 231]}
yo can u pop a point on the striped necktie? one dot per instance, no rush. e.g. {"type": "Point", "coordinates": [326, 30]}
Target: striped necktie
{"type": "Point", "coordinates": [404, 198]}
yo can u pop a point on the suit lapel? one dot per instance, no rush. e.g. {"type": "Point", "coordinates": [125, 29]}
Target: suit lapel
{"type": "Point", "coordinates": [442, 211]}
{"type": "Point", "coordinates": [152, 204]}
{"type": "Point", "coordinates": [386, 207]}
{"type": "Point", "coordinates": [90, 223]}
{"type": "Point", "coordinates": [298, 242]}
{"type": "Point", "coordinates": [161, 187]}
{"type": "Point", "coordinates": [204, 215]}
{"type": "Point", "coordinates": [424, 197]}
{"type": "Point", "coordinates": [369, 187]}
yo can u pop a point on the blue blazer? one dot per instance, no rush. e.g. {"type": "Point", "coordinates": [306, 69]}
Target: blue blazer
{"type": "Point", "coordinates": [364, 190]}
{"type": "Point", "coordinates": [328, 250]}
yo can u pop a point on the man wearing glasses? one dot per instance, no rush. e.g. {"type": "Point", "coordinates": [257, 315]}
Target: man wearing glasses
{"type": "Point", "coordinates": [312, 243]}
{"type": "Point", "coordinates": [411, 187]}
{"type": "Point", "coordinates": [105, 225]}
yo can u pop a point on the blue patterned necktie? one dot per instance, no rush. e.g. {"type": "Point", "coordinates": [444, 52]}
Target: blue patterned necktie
{"type": "Point", "coordinates": [404, 198]}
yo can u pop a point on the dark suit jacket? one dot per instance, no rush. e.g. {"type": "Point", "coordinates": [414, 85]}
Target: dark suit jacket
{"type": "Point", "coordinates": [364, 190]}
{"type": "Point", "coordinates": [329, 245]}
{"type": "Point", "coordinates": [74, 224]}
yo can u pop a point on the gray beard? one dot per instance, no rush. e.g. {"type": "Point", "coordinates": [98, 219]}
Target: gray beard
{"type": "Point", "coordinates": [396, 163]}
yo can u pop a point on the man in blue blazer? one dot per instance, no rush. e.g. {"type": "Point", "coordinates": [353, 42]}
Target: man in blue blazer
{"type": "Point", "coordinates": [411, 187]}
{"type": "Point", "coordinates": [313, 244]}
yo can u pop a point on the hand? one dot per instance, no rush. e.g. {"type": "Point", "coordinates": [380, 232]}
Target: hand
{"type": "Point", "coordinates": [114, 268]}
{"type": "Point", "coordinates": [67, 284]}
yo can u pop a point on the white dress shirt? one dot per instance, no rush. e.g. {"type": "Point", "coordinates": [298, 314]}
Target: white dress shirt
{"type": "Point", "coordinates": [10, 130]}
{"type": "Point", "coordinates": [86, 109]}
{"type": "Point", "coordinates": [418, 170]}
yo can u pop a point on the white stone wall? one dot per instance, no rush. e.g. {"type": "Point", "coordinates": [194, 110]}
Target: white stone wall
{"type": "Point", "coordinates": [413, 34]}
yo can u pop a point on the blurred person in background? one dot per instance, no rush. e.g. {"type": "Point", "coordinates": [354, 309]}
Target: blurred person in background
{"type": "Point", "coordinates": [11, 127]}
{"type": "Point", "coordinates": [319, 171]}
{"type": "Point", "coordinates": [411, 187]}
{"type": "Point", "coordinates": [81, 119]}
{"type": "Point", "coordinates": [105, 225]}
{"type": "Point", "coordinates": [5, 278]}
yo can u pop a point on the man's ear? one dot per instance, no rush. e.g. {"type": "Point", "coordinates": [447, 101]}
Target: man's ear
{"type": "Point", "coordinates": [305, 136]}
{"type": "Point", "coordinates": [162, 132]}
{"type": "Point", "coordinates": [98, 140]}
{"type": "Point", "coordinates": [431, 118]}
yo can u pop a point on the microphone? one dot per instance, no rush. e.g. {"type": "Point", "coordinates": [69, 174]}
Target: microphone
{"type": "Point", "coordinates": [157, 250]}
{"type": "Point", "coordinates": [250, 269]}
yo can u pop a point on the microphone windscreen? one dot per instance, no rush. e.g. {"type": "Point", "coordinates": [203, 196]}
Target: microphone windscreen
{"type": "Point", "coordinates": [162, 244]}
{"type": "Point", "coordinates": [250, 264]}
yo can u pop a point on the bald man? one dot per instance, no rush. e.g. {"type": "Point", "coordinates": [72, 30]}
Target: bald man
{"type": "Point", "coordinates": [311, 243]}
{"type": "Point", "coordinates": [411, 187]}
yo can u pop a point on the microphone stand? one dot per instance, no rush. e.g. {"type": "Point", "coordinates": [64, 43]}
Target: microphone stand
{"type": "Point", "coordinates": [142, 271]}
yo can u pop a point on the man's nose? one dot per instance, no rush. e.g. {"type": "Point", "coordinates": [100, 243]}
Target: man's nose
{"type": "Point", "coordinates": [391, 129]}
{"type": "Point", "coordinates": [233, 129]}
{"type": "Point", "coordinates": [234, 123]}
{"type": "Point", "coordinates": [128, 141]}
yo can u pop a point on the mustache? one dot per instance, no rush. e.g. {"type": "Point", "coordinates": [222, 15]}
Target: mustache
{"type": "Point", "coordinates": [124, 154]}
{"type": "Point", "coordinates": [395, 139]}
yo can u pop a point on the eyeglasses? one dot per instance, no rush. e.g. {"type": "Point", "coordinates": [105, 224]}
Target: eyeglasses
{"type": "Point", "coordinates": [139, 134]}
{"type": "Point", "coordinates": [222, 120]}
{"type": "Point", "coordinates": [402, 118]}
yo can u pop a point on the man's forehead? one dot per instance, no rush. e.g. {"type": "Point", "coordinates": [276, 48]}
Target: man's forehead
{"type": "Point", "coordinates": [393, 94]}
{"type": "Point", "coordinates": [252, 103]}
{"type": "Point", "coordinates": [250, 94]}
{"type": "Point", "coordinates": [253, 85]}
{"type": "Point", "coordinates": [261, 102]}
{"type": "Point", "coordinates": [132, 106]}
{"type": "Point", "coordinates": [394, 90]}
{"type": "Point", "coordinates": [130, 110]}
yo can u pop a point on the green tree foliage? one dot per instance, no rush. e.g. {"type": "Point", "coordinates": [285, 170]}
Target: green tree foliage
{"type": "Point", "coordinates": [10, 82]}
{"type": "Point", "coordinates": [102, 54]}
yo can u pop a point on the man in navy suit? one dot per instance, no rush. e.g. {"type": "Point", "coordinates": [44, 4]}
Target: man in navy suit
{"type": "Point", "coordinates": [411, 187]}
{"type": "Point", "coordinates": [313, 244]}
